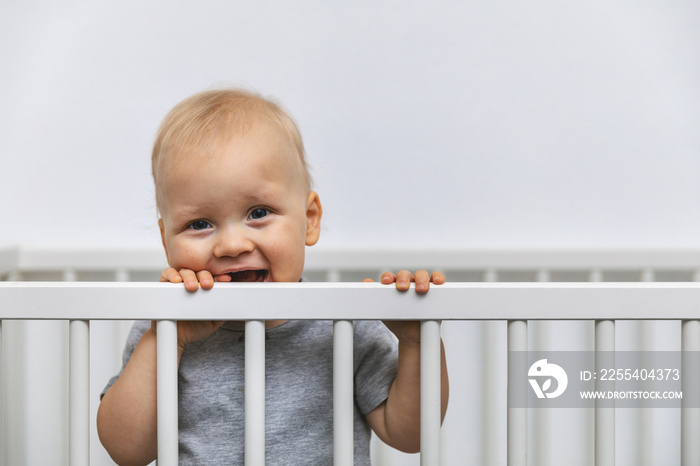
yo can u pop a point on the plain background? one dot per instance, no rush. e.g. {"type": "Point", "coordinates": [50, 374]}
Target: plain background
{"type": "Point", "coordinates": [454, 124]}
{"type": "Point", "coordinates": [438, 124]}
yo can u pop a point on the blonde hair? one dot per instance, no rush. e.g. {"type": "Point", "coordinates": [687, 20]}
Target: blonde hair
{"type": "Point", "coordinates": [207, 121]}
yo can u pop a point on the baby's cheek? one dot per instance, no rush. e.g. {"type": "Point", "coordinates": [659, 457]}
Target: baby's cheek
{"type": "Point", "coordinates": [185, 255]}
{"type": "Point", "coordinates": [290, 266]}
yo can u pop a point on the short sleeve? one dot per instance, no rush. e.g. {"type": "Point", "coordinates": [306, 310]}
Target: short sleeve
{"type": "Point", "coordinates": [376, 363]}
{"type": "Point", "coordinates": [135, 334]}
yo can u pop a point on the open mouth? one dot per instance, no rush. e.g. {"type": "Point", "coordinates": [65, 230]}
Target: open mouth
{"type": "Point", "coordinates": [248, 276]}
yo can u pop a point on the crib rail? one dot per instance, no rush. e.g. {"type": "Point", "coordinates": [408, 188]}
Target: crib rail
{"type": "Point", "coordinates": [513, 286]}
{"type": "Point", "coordinates": [352, 301]}
{"type": "Point", "coordinates": [516, 303]}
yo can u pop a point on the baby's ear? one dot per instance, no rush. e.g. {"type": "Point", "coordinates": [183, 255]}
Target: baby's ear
{"type": "Point", "coordinates": [313, 218]}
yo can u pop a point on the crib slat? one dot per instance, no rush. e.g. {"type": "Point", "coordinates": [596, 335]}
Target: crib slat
{"type": "Point", "coordinates": [690, 416]}
{"type": "Point", "coordinates": [79, 397]}
{"type": "Point", "coordinates": [492, 399]}
{"type": "Point", "coordinates": [255, 393]}
{"type": "Point", "coordinates": [604, 423]}
{"type": "Point", "coordinates": [2, 403]}
{"type": "Point", "coordinates": [167, 392]}
{"type": "Point", "coordinates": [604, 416]}
{"type": "Point", "coordinates": [343, 389]}
{"type": "Point", "coordinates": [13, 276]}
{"type": "Point", "coordinates": [430, 403]}
{"type": "Point", "coordinates": [333, 275]}
{"type": "Point", "coordinates": [517, 417]}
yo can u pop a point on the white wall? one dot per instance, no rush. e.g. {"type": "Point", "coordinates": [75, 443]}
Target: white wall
{"type": "Point", "coordinates": [457, 124]}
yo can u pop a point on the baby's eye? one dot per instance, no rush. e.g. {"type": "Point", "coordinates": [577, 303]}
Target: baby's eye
{"type": "Point", "coordinates": [258, 213]}
{"type": "Point", "coordinates": [200, 225]}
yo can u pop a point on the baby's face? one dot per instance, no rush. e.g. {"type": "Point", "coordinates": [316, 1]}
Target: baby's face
{"type": "Point", "coordinates": [244, 213]}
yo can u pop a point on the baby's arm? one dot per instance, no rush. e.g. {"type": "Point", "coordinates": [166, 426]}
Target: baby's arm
{"type": "Point", "coordinates": [127, 417]}
{"type": "Point", "coordinates": [397, 420]}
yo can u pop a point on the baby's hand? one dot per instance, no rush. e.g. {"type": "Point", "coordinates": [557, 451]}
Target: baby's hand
{"type": "Point", "coordinates": [190, 278]}
{"type": "Point", "coordinates": [190, 331]}
{"type": "Point", "coordinates": [404, 278]}
{"type": "Point", "coordinates": [408, 331]}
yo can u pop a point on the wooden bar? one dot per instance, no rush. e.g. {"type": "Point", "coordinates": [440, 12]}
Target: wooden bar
{"type": "Point", "coordinates": [690, 415]}
{"type": "Point", "coordinates": [351, 301]}
{"type": "Point", "coordinates": [604, 422]}
{"type": "Point", "coordinates": [167, 393]}
{"type": "Point", "coordinates": [255, 393]}
{"type": "Point", "coordinates": [2, 402]}
{"type": "Point", "coordinates": [343, 393]}
{"type": "Point", "coordinates": [430, 402]}
{"type": "Point", "coordinates": [517, 417]}
{"type": "Point", "coordinates": [79, 392]}
{"type": "Point", "coordinates": [604, 416]}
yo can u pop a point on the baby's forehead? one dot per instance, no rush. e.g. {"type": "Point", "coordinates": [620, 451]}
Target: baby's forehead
{"type": "Point", "coordinates": [236, 154]}
{"type": "Point", "coordinates": [227, 142]}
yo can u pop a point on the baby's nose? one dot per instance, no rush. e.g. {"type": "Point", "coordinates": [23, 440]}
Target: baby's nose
{"type": "Point", "coordinates": [231, 242]}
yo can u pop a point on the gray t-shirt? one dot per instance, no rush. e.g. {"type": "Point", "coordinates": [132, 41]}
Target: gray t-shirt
{"type": "Point", "coordinates": [298, 391]}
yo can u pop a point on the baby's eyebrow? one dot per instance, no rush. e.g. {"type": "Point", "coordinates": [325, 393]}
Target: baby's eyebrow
{"type": "Point", "coordinates": [261, 196]}
{"type": "Point", "coordinates": [186, 212]}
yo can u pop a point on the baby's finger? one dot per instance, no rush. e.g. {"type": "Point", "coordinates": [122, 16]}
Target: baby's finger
{"type": "Point", "coordinates": [388, 278]}
{"type": "Point", "coordinates": [190, 279]}
{"type": "Point", "coordinates": [367, 280]}
{"type": "Point", "coordinates": [438, 278]}
{"type": "Point", "coordinates": [170, 275]}
{"type": "Point", "coordinates": [205, 279]}
{"type": "Point", "coordinates": [422, 278]}
{"type": "Point", "coordinates": [403, 280]}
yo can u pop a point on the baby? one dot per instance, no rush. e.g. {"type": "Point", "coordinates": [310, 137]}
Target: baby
{"type": "Point", "coordinates": [234, 194]}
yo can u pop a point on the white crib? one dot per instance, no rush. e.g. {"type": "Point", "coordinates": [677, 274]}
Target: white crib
{"type": "Point", "coordinates": [486, 315]}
